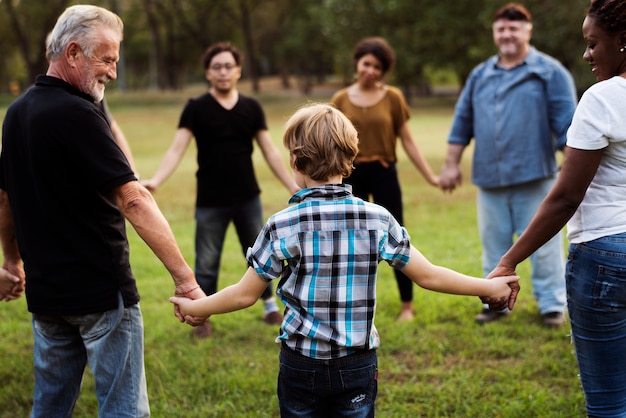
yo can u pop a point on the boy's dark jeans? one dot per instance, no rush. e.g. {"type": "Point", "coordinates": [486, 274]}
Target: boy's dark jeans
{"type": "Point", "coordinates": [344, 387]}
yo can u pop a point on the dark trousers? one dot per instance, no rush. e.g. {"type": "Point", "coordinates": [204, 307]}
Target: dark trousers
{"type": "Point", "coordinates": [343, 387]}
{"type": "Point", "coordinates": [372, 180]}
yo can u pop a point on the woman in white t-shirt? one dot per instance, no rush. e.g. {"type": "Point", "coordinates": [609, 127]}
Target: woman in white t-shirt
{"type": "Point", "coordinates": [590, 196]}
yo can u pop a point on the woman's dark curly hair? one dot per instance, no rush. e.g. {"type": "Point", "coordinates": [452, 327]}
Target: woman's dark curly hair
{"type": "Point", "coordinates": [610, 15]}
{"type": "Point", "coordinates": [379, 48]}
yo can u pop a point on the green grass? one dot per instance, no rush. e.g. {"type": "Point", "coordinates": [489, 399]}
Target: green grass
{"type": "Point", "coordinates": [440, 365]}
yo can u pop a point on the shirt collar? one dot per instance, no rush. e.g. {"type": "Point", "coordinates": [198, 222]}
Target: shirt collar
{"type": "Point", "coordinates": [325, 192]}
{"type": "Point", "coordinates": [49, 81]}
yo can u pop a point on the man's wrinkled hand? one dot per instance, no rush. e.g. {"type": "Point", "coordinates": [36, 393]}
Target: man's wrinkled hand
{"type": "Point", "coordinates": [12, 283]}
{"type": "Point", "coordinates": [195, 321]}
{"type": "Point", "coordinates": [450, 178]}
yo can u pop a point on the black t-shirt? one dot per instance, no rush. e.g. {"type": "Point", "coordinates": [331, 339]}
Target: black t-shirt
{"type": "Point", "coordinates": [58, 164]}
{"type": "Point", "coordinates": [225, 143]}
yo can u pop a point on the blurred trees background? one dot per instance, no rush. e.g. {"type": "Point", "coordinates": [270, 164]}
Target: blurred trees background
{"type": "Point", "coordinates": [302, 40]}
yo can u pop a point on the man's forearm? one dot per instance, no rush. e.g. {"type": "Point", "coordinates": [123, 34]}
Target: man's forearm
{"type": "Point", "coordinates": [141, 210]}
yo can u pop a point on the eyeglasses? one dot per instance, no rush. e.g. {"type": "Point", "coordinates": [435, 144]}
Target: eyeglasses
{"type": "Point", "coordinates": [219, 67]}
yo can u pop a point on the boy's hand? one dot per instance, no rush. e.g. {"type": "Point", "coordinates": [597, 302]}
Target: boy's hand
{"type": "Point", "coordinates": [508, 301]}
{"type": "Point", "coordinates": [498, 305]}
{"type": "Point", "coordinates": [181, 306]}
{"type": "Point", "coordinates": [503, 270]}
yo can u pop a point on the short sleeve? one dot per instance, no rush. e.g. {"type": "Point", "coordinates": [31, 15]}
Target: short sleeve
{"type": "Point", "coordinates": [400, 110]}
{"type": "Point", "coordinates": [589, 124]}
{"type": "Point", "coordinates": [396, 245]}
{"type": "Point", "coordinates": [262, 256]}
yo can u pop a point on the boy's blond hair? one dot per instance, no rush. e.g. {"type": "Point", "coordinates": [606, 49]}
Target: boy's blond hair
{"type": "Point", "coordinates": [322, 142]}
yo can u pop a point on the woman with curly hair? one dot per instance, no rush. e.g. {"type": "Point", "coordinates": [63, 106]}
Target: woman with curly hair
{"type": "Point", "coordinates": [590, 196]}
{"type": "Point", "coordinates": [380, 115]}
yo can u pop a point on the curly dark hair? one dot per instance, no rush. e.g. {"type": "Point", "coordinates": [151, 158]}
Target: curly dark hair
{"type": "Point", "coordinates": [379, 48]}
{"type": "Point", "coordinates": [610, 15]}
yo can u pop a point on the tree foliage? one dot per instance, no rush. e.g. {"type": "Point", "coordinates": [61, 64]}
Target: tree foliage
{"type": "Point", "coordinates": [308, 39]}
{"type": "Point", "coordinates": [25, 25]}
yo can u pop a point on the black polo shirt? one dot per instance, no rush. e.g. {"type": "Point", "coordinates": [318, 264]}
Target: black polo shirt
{"type": "Point", "coordinates": [225, 142]}
{"type": "Point", "coordinates": [58, 164]}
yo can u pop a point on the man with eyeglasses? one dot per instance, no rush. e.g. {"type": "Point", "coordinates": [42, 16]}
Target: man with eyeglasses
{"type": "Point", "coordinates": [224, 124]}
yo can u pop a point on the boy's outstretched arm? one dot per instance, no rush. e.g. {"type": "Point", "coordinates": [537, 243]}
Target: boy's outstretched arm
{"type": "Point", "coordinates": [232, 298]}
{"type": "Point", "coordinates": [444, 280]}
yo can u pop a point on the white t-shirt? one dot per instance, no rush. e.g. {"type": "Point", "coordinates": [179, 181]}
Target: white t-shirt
{"type": "Point", "coordinates": [600, 123]}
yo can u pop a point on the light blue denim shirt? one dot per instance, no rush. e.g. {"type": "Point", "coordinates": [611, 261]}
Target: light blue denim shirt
{"type": "Point", "coordinates": [518, 118]}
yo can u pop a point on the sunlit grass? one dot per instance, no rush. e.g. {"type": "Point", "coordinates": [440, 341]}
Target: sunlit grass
{"type": "Point", "coordinates": [440, 365]}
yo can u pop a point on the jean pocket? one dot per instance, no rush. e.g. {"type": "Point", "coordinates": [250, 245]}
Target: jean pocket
{"type": "Point", "coordinates": [296, 387]}
{"type": "Point", "coordinates": [359, 386]}
{"type": "Point", "coordinates": [609, 290]}
{"type": "Point", "coordinates": [51, 326]}
{"type": "Point", "coordinates": [93, 326]}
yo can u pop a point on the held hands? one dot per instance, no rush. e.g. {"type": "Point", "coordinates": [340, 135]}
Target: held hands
{"type": "Point", "coordinates": [181, 302]}
{"type": "Point", "coordinates": [450, 178]}
{"type": "Point", "coordinates": [434, 181]}
{"type": "Point", "coordinates": [503, 273]}
{"type": "Point", "coordinates": [11, 285]}
{"type": "Point", "coordinates": [150, 185]}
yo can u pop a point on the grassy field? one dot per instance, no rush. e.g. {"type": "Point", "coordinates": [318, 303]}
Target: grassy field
{"type": "Point", "coordinates": [441, 364]}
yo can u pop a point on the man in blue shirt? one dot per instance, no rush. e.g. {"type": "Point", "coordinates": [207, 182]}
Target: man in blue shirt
{"type": "Point", "coordinates": [517, 105]}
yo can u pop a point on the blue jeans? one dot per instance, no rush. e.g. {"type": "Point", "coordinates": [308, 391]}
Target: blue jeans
{"type": "Point", "coordinates": [596, 297]}
{"type": "Point", "coordinates": [344, 387]}
{"type": "Point", "coordinates": [111, 342]}
{"type": "Point", "coordinates": [506, 212]}
{"type": "Point", "coordinates": [211, 226]}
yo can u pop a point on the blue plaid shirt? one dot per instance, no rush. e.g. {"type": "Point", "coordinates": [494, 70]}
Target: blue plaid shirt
{"type": "Point", "coordinates": [325, 250]}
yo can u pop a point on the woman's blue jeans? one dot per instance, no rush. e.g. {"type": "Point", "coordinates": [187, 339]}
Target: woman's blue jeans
{"type": "Point", "coordinates": [596, 294]}
{"type": "Point", "coordinates": [343, 387]}
{"type": "Point", "coordinates": [111, 342]}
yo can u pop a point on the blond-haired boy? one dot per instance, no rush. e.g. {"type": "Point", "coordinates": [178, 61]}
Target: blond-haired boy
{"type": "Point", "coordinates": [325, 250]}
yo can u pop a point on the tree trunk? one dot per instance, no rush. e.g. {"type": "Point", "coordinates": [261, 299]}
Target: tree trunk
{"type": "Point", "coordinates": [246, 28]}
{"type": "Point", "coordinates": [39, 64]}
{"type": "Point", "coordinates": [155, 46]}
{"type": "Point", "coordinates": [121, 64]}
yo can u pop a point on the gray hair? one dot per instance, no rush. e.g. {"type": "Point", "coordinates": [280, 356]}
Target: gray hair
{"type": "Point", "coordinates": [80, 23]}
